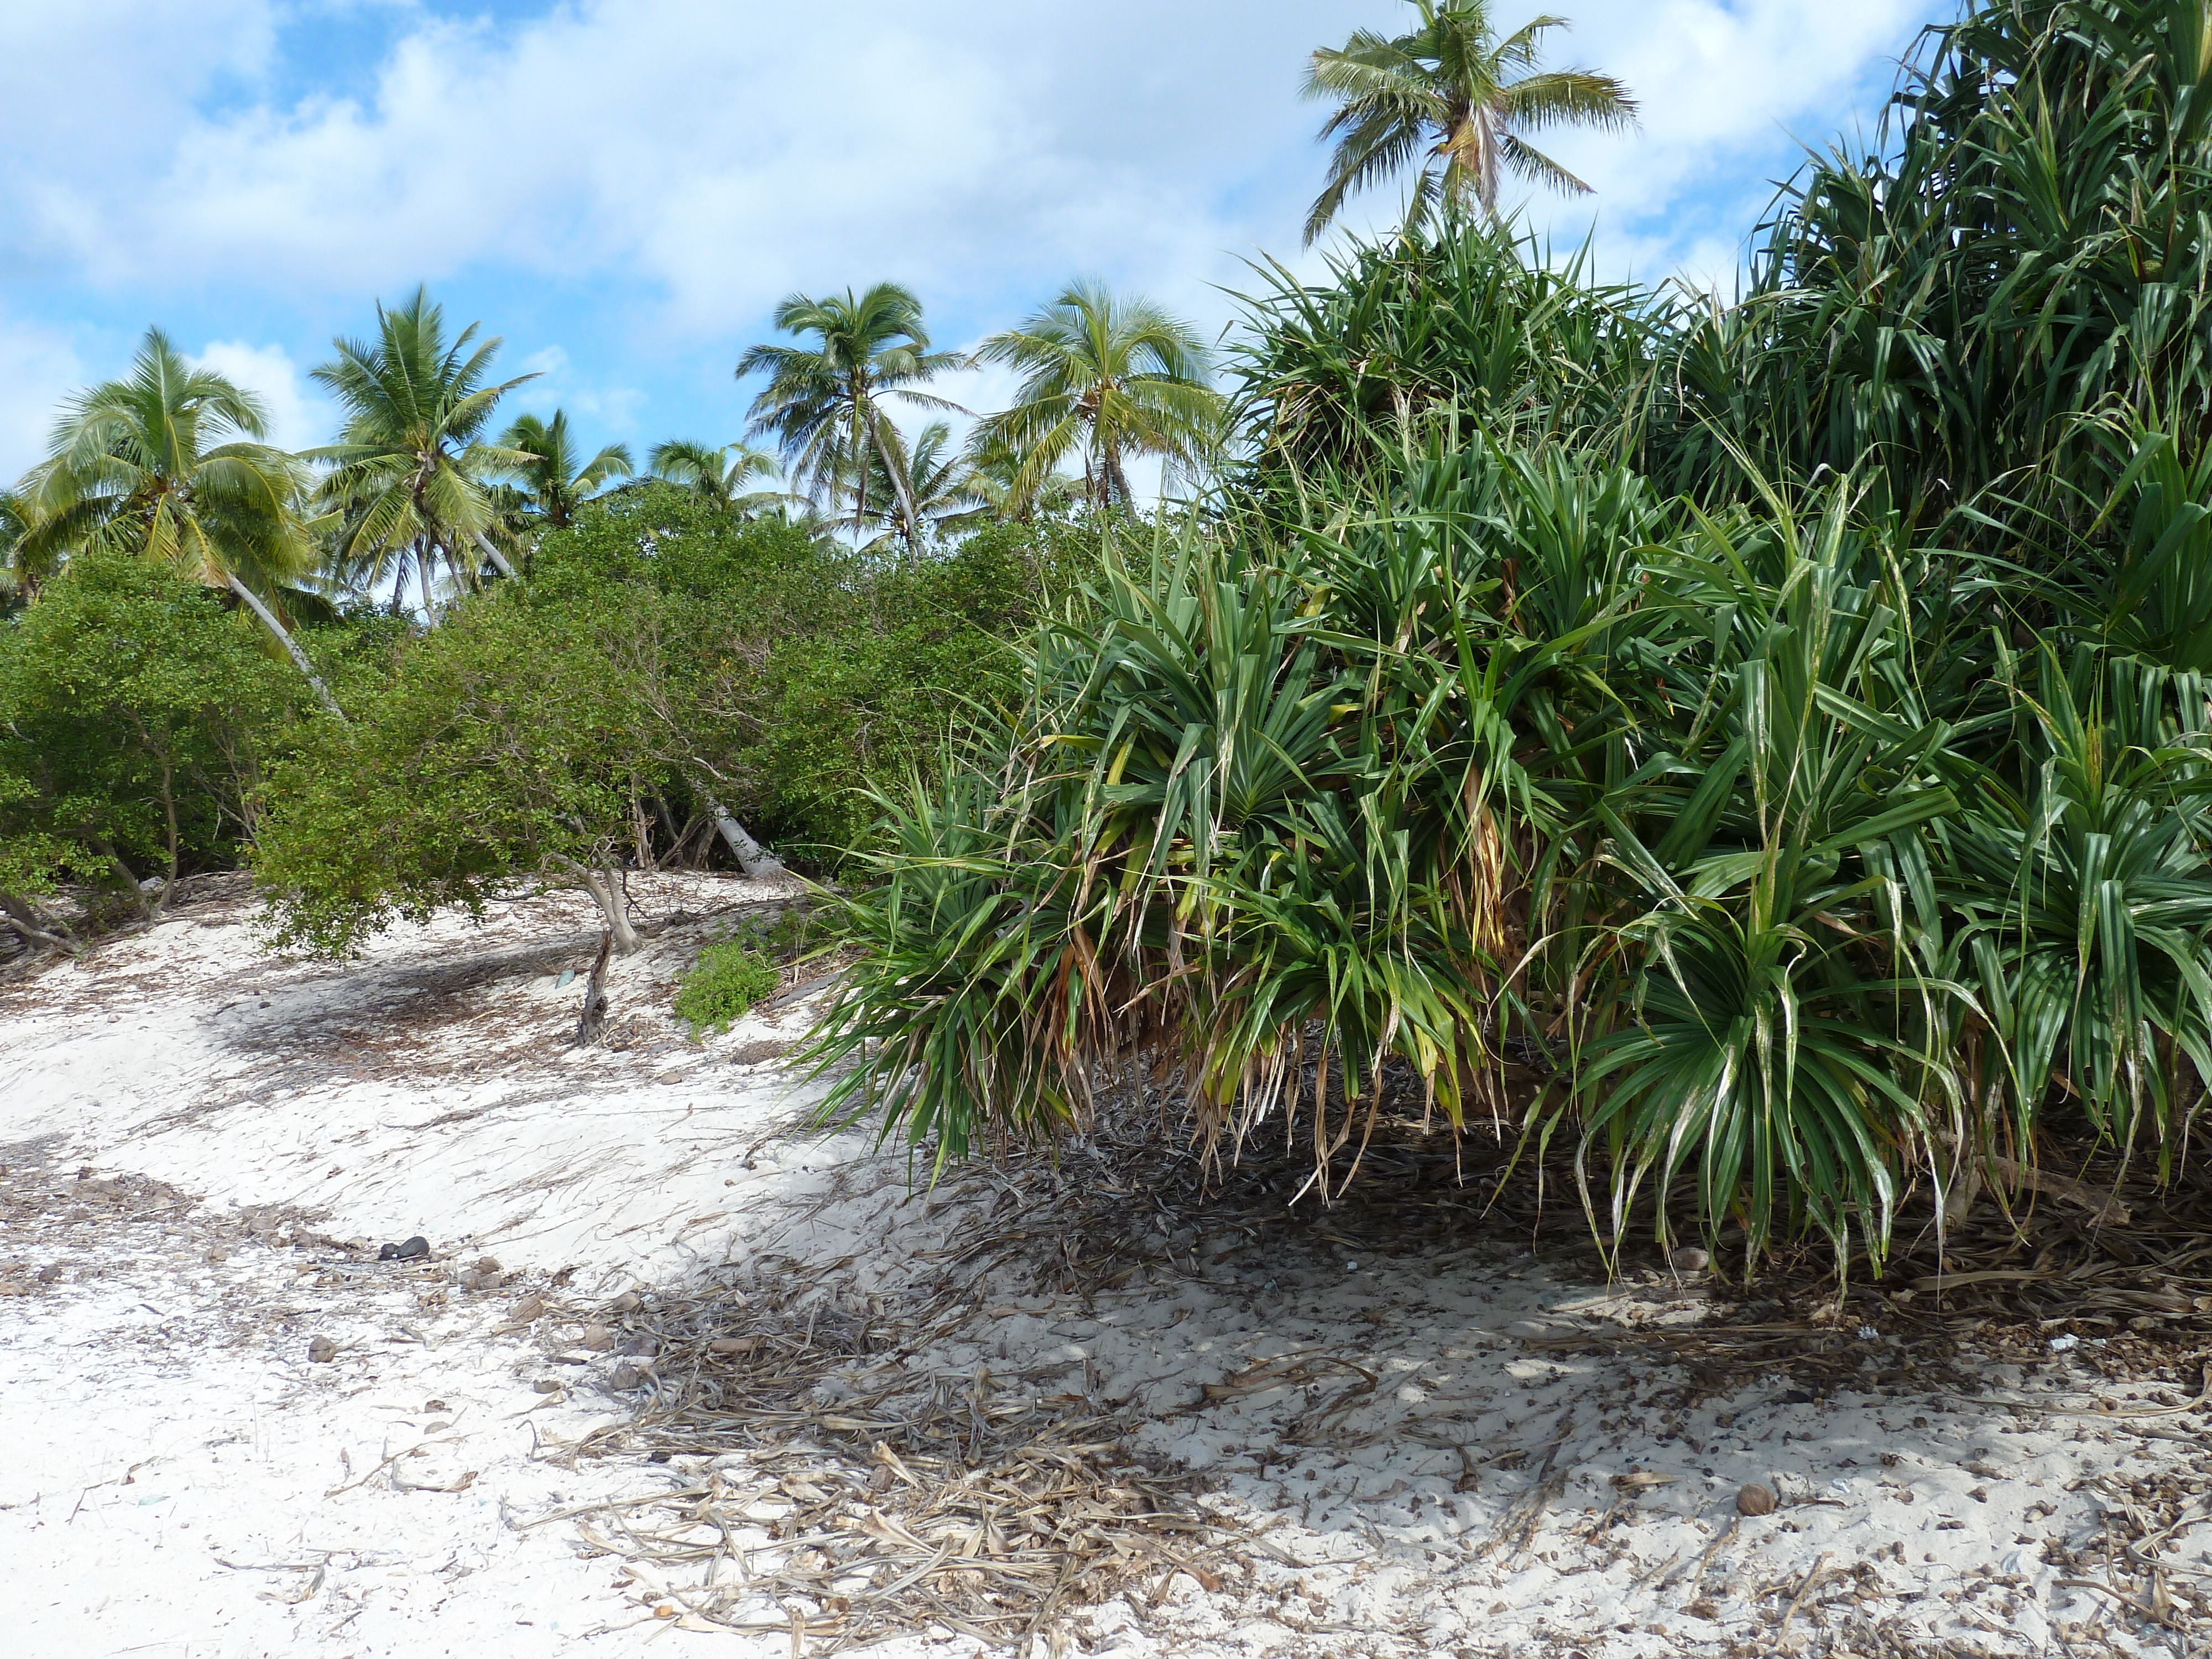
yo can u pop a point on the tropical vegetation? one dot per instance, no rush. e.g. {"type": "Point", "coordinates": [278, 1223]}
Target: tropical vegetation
{"type": "Point", "coordinates": [1757, 753]}
{"type": "Point", "coordinates": [1753, 757]}
{"type": "Point", "coordinates": [1456, 104]}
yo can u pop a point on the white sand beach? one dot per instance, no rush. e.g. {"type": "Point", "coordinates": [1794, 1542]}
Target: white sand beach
{"type": "Point", "coordinates": [1386, 1447]}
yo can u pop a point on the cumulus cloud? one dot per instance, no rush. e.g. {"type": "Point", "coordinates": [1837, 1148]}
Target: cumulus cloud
{"type": "Point", "coordinates": [644, 178]}
{"type": "Point", "coordinates": [724, 155]}
{"type": "Point", "coordinates": [1731, 94]}
{"type": "Point", "coordinates": [38, 367]}
{"type": "Point", "coordinates": [300, 415]}
{"type": "Point", "coordinates": [556, 384]}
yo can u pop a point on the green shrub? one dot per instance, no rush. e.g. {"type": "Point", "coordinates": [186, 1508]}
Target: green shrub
{"type": "Point", "coordinates": [727, 979]}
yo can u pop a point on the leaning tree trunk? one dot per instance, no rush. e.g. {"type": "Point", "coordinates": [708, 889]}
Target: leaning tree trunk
{"type": "Point", "coordinates": [498, 559]}
{"type": "Point", "coordinates": [248, 596]}
{"type": "Point", "coordinates": [35, 927]}
{"type": "Point", "coordinates": [592, 1019]}
{"type": "Point", "coordinates": [902, 485]}
{"type": "Point", "coordinates": [757, 859]}
{"type": "Point", "coordinates": [603, 883]}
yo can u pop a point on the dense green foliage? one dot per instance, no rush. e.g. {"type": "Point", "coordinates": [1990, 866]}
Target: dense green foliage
{"type": "Point", "coordinates": [663, 650]}
{"type": "Point", "coordinates": [136, 717]}
{"type": "Point", "coordinates": [1765, 748]}
{"type": "Point", "coordinates": [723, 985]}
{"type": "Point", "coordinates": [569, 675]}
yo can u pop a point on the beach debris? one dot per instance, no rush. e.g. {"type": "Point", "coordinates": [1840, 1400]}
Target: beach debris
{"type": "Point", "coordinates": [547, 1385]}
{"type": "Point", "coordinates": [1755, 1499]}
{"type": "Point", "coordinates": [625, 1376]}
{"type": "Point", "coordinates": [321, 1351]}
{"type": "Point", "coordinates": [412, 1250]}
{"type": "Point", "coordinates": [599, 1338]}
{"type": "Point", "coordinates": [526, 1310]}
{"type": "Point", "coordinates": [626, 1303]}
{"type": "Point", "coordinates": [50, 1273]}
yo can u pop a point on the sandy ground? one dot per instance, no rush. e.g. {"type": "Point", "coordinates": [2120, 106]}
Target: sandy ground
{"type": "Point", "coordinates": [230, 1429]}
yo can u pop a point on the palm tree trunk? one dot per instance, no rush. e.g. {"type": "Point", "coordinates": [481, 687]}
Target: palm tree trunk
{"type": "Point", "coordinates": [1115, 478]}
{"type": "Point", "coordinates": [756, 860]}
{"type": "Point", "coordinates": [901, 484]}
{"type": "Point", "coordinates": [498, 559]}
{"type": "Point", "coordinates": [423, 573]}
{"type": "Point", "coordinates": [249, 597]}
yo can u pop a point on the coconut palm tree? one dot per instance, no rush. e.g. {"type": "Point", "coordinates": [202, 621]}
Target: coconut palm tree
{"type": "Point", "coordinates": [1104, 378]}
{"type": "Point", "coordinates": [995, 478]}
{"type": "Point", "coordinates": [1455, 102]}
{"type": "Point", "coordinates": [719, 473]}
{"type": "Point", "coordinates": [20, 577]}
{"type": "Point", "coordinates": [940, 483]}
{"type": "Point", "coordinates": [823, 402]}
{"type": "Point", "coordinates": [168, 464]}
{"type": "Point", "coordinates": [553, 484]}
{"type": "Point", "coordinates": [407, 479]}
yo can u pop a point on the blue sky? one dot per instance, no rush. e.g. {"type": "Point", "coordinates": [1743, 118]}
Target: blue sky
{"type": "Point", "coordinates": [623, 189]}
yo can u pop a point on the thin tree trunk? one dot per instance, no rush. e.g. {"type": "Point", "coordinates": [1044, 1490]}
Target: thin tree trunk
{"type": "Point", "coordinates": [422, 571]}
{"type": "Point", "coordinates": [122, 874]}
{"type": "Point", "coordinates": [35, 926]}
{"type": "Point", "coordinates": [603, 883]}
{"type": "Point", "coordinates": [169, 813]}
{"type": "Point", "coordinates": [252, 600]}
{"type": "Point", "coordinates": [757, 861]}
{"type": "Point", "coordinates": [591, 1022]}
{"type": "Point", "coordinates": [902, 485]}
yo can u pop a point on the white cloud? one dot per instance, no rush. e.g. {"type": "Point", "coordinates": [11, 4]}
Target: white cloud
{"type": "Point", "coordinates": [300, 416]}
{"type": "Point", "coordinates": [722, 156]}
{"type": "Point", "coordinates": [558, 385]}
{"type": "Point", "coordinates": [725, 155]}
{"type": "Point", "coordinates": [1721, 85]}
{"type": "Point", "coordinates": [654, 175]}
{"type": "Point", "coordinates": [38, 367]}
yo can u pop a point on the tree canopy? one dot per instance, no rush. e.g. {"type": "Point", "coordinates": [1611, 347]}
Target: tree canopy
{"type": "Point", "coordinates": [1454, 103]}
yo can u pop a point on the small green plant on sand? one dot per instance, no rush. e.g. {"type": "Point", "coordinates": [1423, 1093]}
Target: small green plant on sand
{"type": "Point", "coordinates": [727, 979]}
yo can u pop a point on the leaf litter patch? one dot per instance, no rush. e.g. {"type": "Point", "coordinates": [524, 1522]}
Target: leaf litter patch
{"type": "Point", "coordinates": [844, 1461]}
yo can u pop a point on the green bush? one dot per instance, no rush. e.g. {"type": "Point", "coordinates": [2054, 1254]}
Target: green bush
{"type": "Point", "coordinates": [727, 979]}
